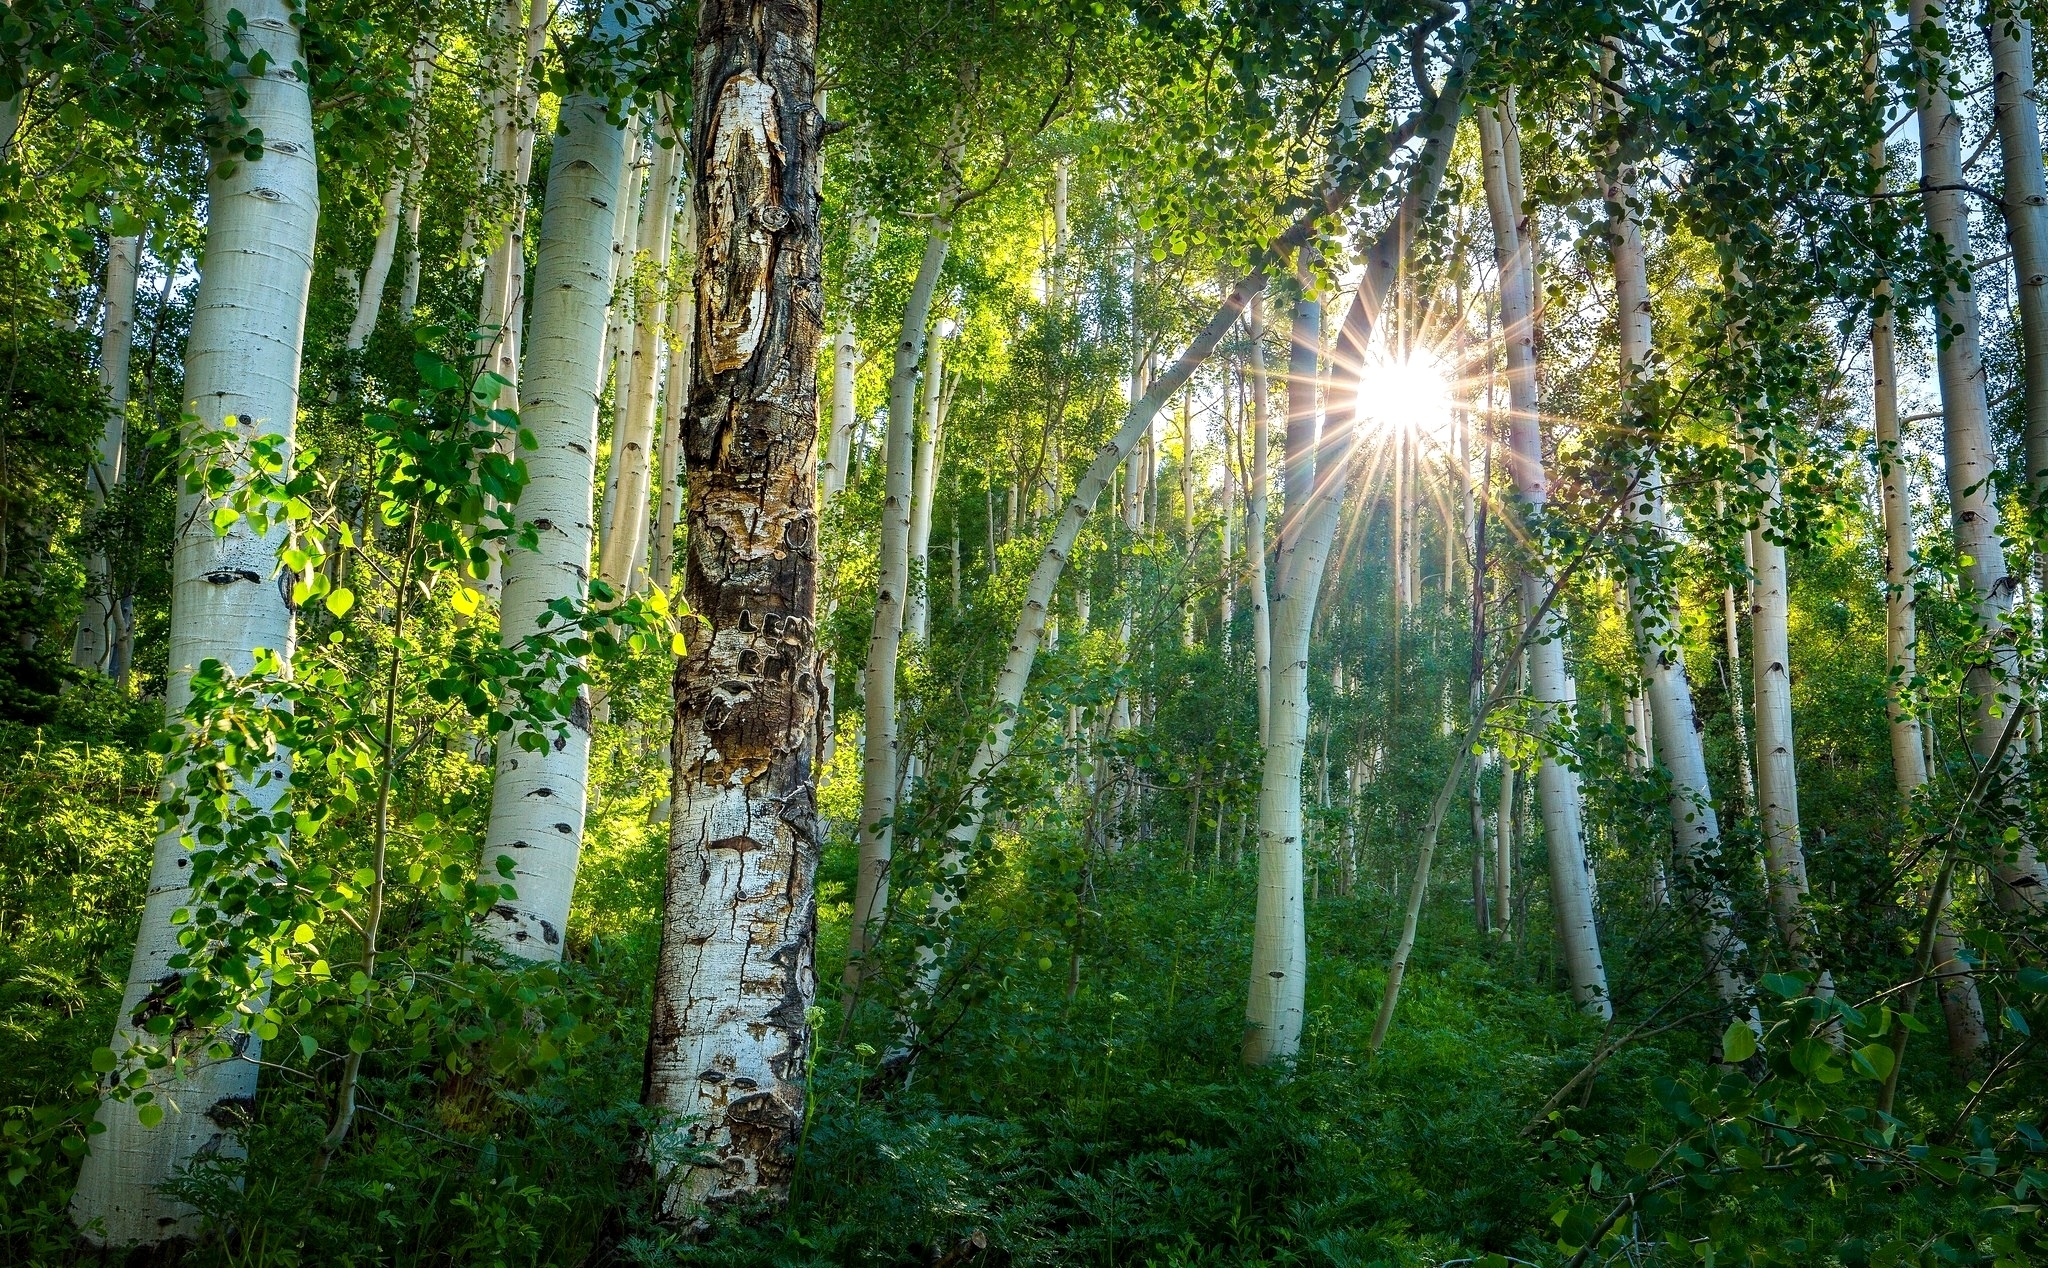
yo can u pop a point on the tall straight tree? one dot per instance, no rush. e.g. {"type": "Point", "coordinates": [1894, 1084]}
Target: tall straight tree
{"type": "Point", "coordinates": [1777, 772]}
{"type": "Point", "coordinates": [241, 373]}
{"type": "Point", "coordinates": [537, 801]}
{"type": "Point", "coordinates": [2025, 205]}
{"type": "Point", "coordinates": [1676, 733]}
{"type": "Point", "coordinates": [1962, 1008]}
{"type": "Point", "coordinates": [99, 622]}
{"type": "Point", "coordinates": [634, 441]}
{"type": "Point", "coordinates": [727, 1054]}
{"type": "Point", "coordinates": [1557, 785]}
{"type": "Point", "coordinates": [1969, 459]}
{"type": "Point", "coordinates": [1255, 510]}
{"type": "Point", "coordinates": [880, 757]}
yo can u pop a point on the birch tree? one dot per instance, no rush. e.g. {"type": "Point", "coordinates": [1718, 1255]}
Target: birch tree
{"type": "Point", "coordinates": [1676, 733]}
{"type": "Point", "coordinates": [99, 623]}
{"type": "Point", "coordinates": [1551, 685]}
{"type": "Point", "coordinates": [241, 373]}
{"type": "Point", "coordinates": [538, 797]}
{"type": "Point", "coordinates": [1274, 1007]}
{"type": "Point", "coordinates": [727, 1054]}
{"type": "Point", "coordinates": [1966, 441]}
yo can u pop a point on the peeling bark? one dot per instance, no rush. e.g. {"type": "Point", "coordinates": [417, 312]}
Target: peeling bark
{"type": "Point", "coordinates": [736, 977]}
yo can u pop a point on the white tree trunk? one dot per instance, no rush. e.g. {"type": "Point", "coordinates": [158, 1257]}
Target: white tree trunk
{"type": "Point", "coordinates": [879, 765]}
{"type": "Point", "coordinates": [1731, 651]}
{"type": "Point", "coordinates": [1551, 685]}
{"type": "Point", "coordinates": [1969, 460]}
{"type": "Point", "coordinates": [1676, 731]}
{"type": "Point", "coordinates": [730, 1037]}
{"type": "Point", "coordinates": [1255, 515]}
{"type": "Point", "coordinates": [924, 482]}
{"type": "Point", "coordinates": [241, 370]}
{"type": "Point", "coordinates": [682, 330]}
{"type": "Point", "coordinates": [633, 433]}
{"type": "Point", "coordinates": [99, 622]}
{"type": "Point", "coordinates": [618, 331]}
{"type": "Point", "coordinates": [370, 298]}
{"type": "Point", "coordinates": [834, 470]}
{"type": "Point", "coordinates": [1961, 1006]}
{"type": "Point", "coordinates": [538, 799]}
{"type": "Point", "coordinates": [1776, 764]}
{"type": "Point", "coordinates": [2026, 216]}
{"type": "Point", "coordinates": [1274, 1007]}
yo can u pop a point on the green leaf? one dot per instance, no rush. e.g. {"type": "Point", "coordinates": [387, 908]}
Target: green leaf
{"type": "Point", "coordinates": [308, 1046]}
{"type": "Point", "coordinates": [149, 1115]}
{"type": "Point", "coordinates": [1873, 1061]}
{"type": "Point", "coordinates": [224, 518]}
{"type": "Point", "coordinates": [339, 601]}
{"type": "Point", "coordinates": [1738, 1044]}
{"type": "Point", "coordinates": [1783, 985]}
{"type": "Point", "coordinates": [123, 223]}
{"type": "Point", "coordinates": [103, 1060]}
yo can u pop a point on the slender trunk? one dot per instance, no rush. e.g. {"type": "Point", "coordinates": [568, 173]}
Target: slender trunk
{"type": "Point", "coordinates": [1962, 1007]}
{"type": "Point", "coordinates": [618, 331]}
{"type": "Point", "coordinates": [633, 432]}
{"type": "Point", "coordinates": [1969, 460]}
{"type": "Point", "coordinates": [879, 758]}
{"type": "Point", "coordinates": [99, 622]}
{"type": "Point", "coordinates": [924, 483]}
{"type": "Point", "coordinates": [370, 297]}
{"type": "Point", "coordinates": [1504, 847]}
{"type": "Point", "coordinates": [1571, 882]}
{"type": "Point", "coordinates": [1475, 688]}
{"type": "Point", "coordinates": [1255, 518]}
{"type": "Point", "coordinates": [2026, 218]}
{"type": "Point", "coordinates": [834, 470]}
{"type": "Point", "coordinates": [682, 334]}
{"type": "Point", "coordinates": [1275, 1005]}
{"type": "Point", "coordinates": [1029, 632]}
{"type": "Point", "coordinates": [1654, 620]}
{"type": "Point", "coordinates": [1776, 767]}
{"type": "Point", "coordinates": [539, 797]}
{"type": "Point", "coordinates": [1738, 709]}
{"type": "Point", "coordinates": [729, 1045]}
{"type": "Point", "coordinates": [242, 367]}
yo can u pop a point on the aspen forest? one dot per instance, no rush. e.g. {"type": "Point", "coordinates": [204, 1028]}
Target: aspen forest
{"type": "Point", "coordinates": [955, 633]}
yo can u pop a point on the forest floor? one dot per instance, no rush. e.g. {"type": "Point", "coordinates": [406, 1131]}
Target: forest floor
{"type": "Point", "coordinates": [1112, 1126]}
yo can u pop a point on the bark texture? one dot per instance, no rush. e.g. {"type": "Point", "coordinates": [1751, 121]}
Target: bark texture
{"type": "Point", "coordinates": [227, 598]}
{"type": "Point", "coordinates": [736, 976]}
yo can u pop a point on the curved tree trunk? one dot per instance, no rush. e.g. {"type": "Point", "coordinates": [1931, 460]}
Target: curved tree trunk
{"type": "Point", "coordinates": [538, 798]}
{"type": "Point", "coordinates": [99, 624]}
{"type": "Point", "coordinates": [1275, 1003]}
{"type": "Point", "coordinates": [1676, 732]}
{"type": "Point", "coordinates": [727, 1052]}
{"type": "Point", "coordinates": [1571, 880]}
{"type": "Point", "coordinates": [242, 369]}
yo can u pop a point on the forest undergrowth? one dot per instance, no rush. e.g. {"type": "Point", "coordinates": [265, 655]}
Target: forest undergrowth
{"type": "Point", "coordinates": [1090, 1113]}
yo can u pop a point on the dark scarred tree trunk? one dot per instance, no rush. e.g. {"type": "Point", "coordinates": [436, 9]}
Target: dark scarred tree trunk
{"type": "Point", "coordinates": [726, 1056]}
